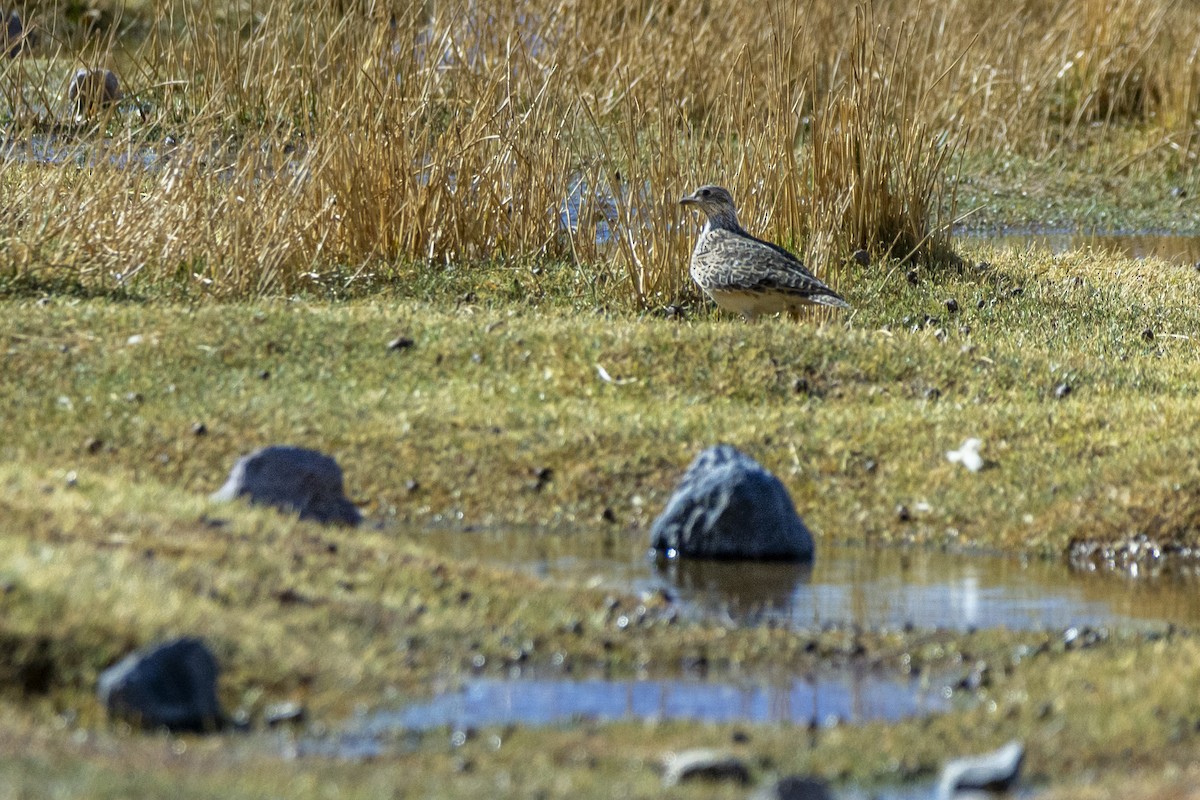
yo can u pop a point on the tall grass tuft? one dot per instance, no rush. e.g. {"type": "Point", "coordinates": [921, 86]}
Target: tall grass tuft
{"type": "Point", "coordinates": [280, 147]}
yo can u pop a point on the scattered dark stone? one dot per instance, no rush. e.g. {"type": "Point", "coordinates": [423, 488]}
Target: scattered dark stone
{"type": "Point", "coordinates": [1137, 556]}
{"type": "Point", "coordinates": [980, 303]}
{"type": "Point", "coordinates": [708, 765]}
{"type": "Point", "coordinates": [862, 257]}
{"type": "Point", "coordinates": [137, 398]}
{"type": "Point", "coordinates": [411, 485]}
{"type": "Point", "coordinates": [912, 277]}
{"type": "Point", "coordinates": [903, 514]}
{"type": "Point", "coordinates": [951, 306]}
{"type": "Point", "coordinates": [542, 476]}
{"type": "Point", "coordinates": [608, 515]}
{"type": "Point", "coordinates": [93, 445]}
{"type": "Point", "coordinates": [800, 386]}
{"type": "Point", "coordinates": [795, 787]}
{"type": "Point", "coordinates": [199, 429]}
{"type": "Point", "coordinates": [997, 771]}
{"type": "Point", "coordinates": [292, 479]}
{"type": "Point", "coordinates": [869, 465]}
{"type": "Point", "coordinates": [1178, 192]}
{"type": "Point", "coordinates": [476, 358]}
{"type": "Point", "coordinates": [727, 506]}
{"type": "Point", "coordinates": [978, 677]}
{"type": "Point", "coordinates": [400, 343]}
{"type": "Point", "coordinates": [964, 330]}
{"type": "Point", "coordinates": [1062, 390]}
{"type": "Point", "coordinates": [284, 714]}
{"type": "Point", "coordinates": [933, 393]}
{"type": "Point", "coordinates": [739, 736]}
{"type": "Point", "coordinates": [1016, 291]}
{"type": "Point", "coordinates": [172, 685]}
{"type": "Point", "coordinates": [290, 597]}
{"type": "Point", "coordinates": [1148, 335]}
{"type": "Point", "coordinates": [264, 375]}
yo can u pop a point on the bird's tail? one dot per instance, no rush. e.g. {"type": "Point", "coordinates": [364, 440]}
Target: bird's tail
{"type": "Point", "coordinates": [832, 299]}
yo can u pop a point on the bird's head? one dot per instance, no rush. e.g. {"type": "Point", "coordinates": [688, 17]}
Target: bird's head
{"type": "Point", "coordinates": [717, 204]}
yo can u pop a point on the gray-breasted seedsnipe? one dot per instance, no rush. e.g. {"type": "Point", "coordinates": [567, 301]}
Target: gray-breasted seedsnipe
{"type": "Point", "coordinates": [744, 274]}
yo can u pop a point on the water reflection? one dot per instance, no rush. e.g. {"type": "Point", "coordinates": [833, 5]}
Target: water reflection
{"type": "Point", "coordinates": [867, 587]}
{"type": "Point", "coordinates": [1176, 249]}
{"type": "Point", "coordinates": [841, 697]}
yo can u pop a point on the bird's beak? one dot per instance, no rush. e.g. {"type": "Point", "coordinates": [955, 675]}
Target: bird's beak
{"type": "Point", "coordinates": [688, 200]}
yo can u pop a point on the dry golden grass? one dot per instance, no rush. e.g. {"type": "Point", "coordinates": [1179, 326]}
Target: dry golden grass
{"type": "Point", "coordinates": [296, 145]}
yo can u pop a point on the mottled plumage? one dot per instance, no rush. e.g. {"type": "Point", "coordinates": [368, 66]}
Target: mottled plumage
{"type": "Point", "coordinates": [744, 274]}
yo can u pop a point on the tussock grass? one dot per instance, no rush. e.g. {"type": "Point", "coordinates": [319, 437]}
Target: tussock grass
{"type": "Point", "coordinates": [295, 149]}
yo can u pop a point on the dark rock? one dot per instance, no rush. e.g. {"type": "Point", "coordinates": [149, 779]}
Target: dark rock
{"type": "Point", "coordinates": [862, 257]}
{"type": "Point", "coordinates": [993, 772]}
{"type": "Point", "coordinates": [1062, 390]}
{"type": "Point", "coordinates": [1148, 335]}
{"type": "Point", "coordinates": [400, 343]}
{"type": "Point", "coordinates": [727, 506]}
{"type": "Point", "coordinates": [951, 306]}
{"type": "Point", "coordinates": [710, 765]}
{"type": "Point", "coordinates": [794, 787]}
{"type": "Point", "coordinates": [92, 90]}
{"type": "Point", "coordinates": [292, 479]}
{"type": "Point", "coordinates": [172, 685]}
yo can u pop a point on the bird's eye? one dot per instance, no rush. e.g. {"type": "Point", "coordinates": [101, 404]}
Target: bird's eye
{"type": "Point", "coordinates": [705, 193]}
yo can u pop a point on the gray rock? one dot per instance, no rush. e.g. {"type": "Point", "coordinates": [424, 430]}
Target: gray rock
{"type": "Point", "coordinates": [711, 765]}
{"type": "Point", "coordinates": [292, 479]}
{"type": "Point", "coordinates": [728, 506]}
{"type": "Point", "coordinates": [996, 771]}
{"type": "Point", "coordinates": [92, 90]}
{"type": "Point", "coordinates": [172, 685]}
{"type": "Point", "coordinates": [794, 787]}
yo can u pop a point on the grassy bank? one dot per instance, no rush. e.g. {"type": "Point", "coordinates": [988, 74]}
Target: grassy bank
{"type": "Point", "coordinates": [497, 184]}
{"type": "Point", "coordinates": [121, 416]}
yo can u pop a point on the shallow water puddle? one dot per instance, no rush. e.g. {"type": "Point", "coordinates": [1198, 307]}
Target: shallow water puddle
{"type": "Point", "coordinates": [823, 699]}
{"type": "Point", "coordinates": [835, 697]}
{"type": "Point", "coordinates": [866, 587]}
{"type": "Point", "coordinates": [1176, 249]}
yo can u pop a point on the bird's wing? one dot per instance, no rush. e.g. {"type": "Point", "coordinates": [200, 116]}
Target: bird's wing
{"type": "Point", "coordinates": [754, 265]}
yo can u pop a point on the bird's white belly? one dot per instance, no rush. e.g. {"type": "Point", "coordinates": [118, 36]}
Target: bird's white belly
{"type": "Point", "coordinates": [748, 304]}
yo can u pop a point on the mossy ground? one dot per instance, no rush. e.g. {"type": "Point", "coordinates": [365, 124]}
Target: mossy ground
{"type": "Point", "coordinates": [121, 415]}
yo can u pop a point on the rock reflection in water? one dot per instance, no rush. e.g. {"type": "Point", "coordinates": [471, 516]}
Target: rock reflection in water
{"type": "Point", "coordinates": [738, 586]}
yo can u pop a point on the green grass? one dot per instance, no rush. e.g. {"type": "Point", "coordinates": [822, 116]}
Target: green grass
{"type": "Point", "coordinates": [110, 542]}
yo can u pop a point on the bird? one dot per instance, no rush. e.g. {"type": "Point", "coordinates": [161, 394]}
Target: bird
{"type": "Point", "coordinates": [744, 274]}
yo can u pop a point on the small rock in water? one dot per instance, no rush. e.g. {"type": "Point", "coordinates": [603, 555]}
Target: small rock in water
{"type": "Point", "coordinates": [172, 685]}
{"type": "Point", "coordinates": [967, 455]}
{"type": "Point", "coordinates": [711, 765]}
{"type": "Point", "coordinates": [728, 506]}
{"type": "Point", "coordinates": [996, 771]}
{"type": "Point", "coordinates": [292, 479]}
{"type": "Point", "coordinates": [794, 787]}
{"type": "Point", "coordinates": [282, 713]}
{"type": "Point", "coordinates": [92, 90]}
